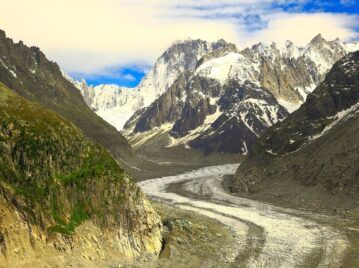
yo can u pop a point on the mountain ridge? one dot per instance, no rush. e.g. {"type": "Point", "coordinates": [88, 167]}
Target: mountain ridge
{"type": "Point", "coordinates": [123, 102]}
{"type": "Point", "coordinates": [27, 71]}
{"type": "Point", "coordinates": [314, 149]}
{"type": "Point", "coordinates": [216, 79]}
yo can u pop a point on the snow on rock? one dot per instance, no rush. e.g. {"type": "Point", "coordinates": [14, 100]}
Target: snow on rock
{"type": "Point", "coordinates": [116, 104]}
{"type": "Point", "coordinates": [290, 107]}
{"type": "Point", "coordinates": [9, 68]}
{"type": "Point", "coordinates": [339, 118]}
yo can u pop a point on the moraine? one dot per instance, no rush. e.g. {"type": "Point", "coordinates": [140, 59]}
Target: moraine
{"type": "Point", "coordinates": [267, 235]}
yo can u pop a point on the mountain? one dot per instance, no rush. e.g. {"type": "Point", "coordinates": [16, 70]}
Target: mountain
{"type": "Point", "coordinates": [64, 200]}
{"type": "Point", "coordinates": [27, 71]}
{"type": "Point", "coordinates": [117, 104]}
{"type": "Point", "coordinates": [312, 156]}
{"type": "Point", "coordinates": [113, 103]}
{"type": "Point", "coordinates": [231, 97]}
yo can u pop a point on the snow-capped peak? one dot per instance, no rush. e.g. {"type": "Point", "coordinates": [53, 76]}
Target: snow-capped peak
{"type": "Point", "coordinates": [180, 57]}
{"type": "Point", "coordinates": [288, 71]}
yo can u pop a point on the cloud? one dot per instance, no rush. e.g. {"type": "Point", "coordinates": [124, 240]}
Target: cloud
{"type": "Point", "coordinates": [300, 28]}
{"type": "Point", "coordinates": [92, 36]}
{"type": "Point", "coordinates": [129, 77]}
{"type": "Point", "coordinates": [347, 2]}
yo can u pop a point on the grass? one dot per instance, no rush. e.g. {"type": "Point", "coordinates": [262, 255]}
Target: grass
{"type": "Point", "coordinates": [78, 216]}
{"type": "Point", "coordinates": [93, 166]}
{"type": "Point", "coordinates": [51, 168]}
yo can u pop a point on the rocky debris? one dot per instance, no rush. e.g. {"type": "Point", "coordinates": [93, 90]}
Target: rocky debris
{"type": "Point", "coordinates": [314, 152]}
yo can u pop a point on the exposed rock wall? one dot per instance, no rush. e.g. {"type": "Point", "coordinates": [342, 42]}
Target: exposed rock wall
{"type": "Point", "coordinates": [315, 148]}
{"type": "Point", "coordinates": [27, 71]}
{"type": "Point", "coordinates": [61, 194]}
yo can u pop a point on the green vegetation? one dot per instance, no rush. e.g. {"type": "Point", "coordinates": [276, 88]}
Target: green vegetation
{"type": "Point", "coordinates": [91, 167]}
{"type": "Point", "coordinates": [77, 217]}
{"type": "Point", "coordinates": [56, 177]}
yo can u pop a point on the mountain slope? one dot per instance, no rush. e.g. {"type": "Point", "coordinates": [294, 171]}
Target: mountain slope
{"type": "Point", "coordinates": [232, 97]}
{"type": "Point", "coordinates": [117, 104]}
{"type": "Point", "coordinates": [28, 72]}
{"type": "Point", "coordinates": [197, 111]}
{"type": "Point", "coordinates": [316, 149]}
{"type": "Point", "coordinates": [63, 198]}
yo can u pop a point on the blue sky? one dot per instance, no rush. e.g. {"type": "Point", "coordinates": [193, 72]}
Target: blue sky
{"type": "Point", "coordinates": [131, 77]}
{"type": "Point", "coordinates": [116, 41]}
{"type": "Point", "coordinates": [128, 76]}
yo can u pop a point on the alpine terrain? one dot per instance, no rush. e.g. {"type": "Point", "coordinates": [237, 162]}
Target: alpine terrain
{"type": "Point", "coordinates": [233, 96]}
{"type": "Point", "coordinates": [117, 104]}
{"type": "Point", "coordinates": [311, 158]}
{"type": "Point", "coordinates": [220, 157]}
{"type": "Point", "coordinates": [64, 201]}
{"type": "Point", "coordinates": [214, 97]}
{"type": "Point", "coordinates": [27, 71]}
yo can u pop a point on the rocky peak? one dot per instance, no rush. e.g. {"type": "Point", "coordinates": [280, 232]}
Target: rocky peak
{"type": "Point", "coordinates": [182, 56]}
{"type": "Point", "coordinates": [32, 57]}
{"type": "Point", "coordinates": [326, 50]}
{"type": "Point", "coordinates": [186, 49]}
{"type": "Point", "coordinates": [332, 101]}
{"type": "Point", "coordinates": [2, 34]}
{"type": "Point", "coordinates": [222, 44]}
{"type": "Point", "coordinates": [289, 44]}
{"type": "Point", "coordinates": [317, 40]}
{"type": "Point", "coordinates": [315, 147]}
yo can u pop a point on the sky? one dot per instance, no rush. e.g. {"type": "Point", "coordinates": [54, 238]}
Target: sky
{"type": "Point", "coordinates": [117, 41]}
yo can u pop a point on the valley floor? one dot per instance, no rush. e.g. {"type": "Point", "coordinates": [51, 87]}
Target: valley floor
{"type": "Point", "coordinates": [266, 235]}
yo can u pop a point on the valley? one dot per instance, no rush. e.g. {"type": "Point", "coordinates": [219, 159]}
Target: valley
{"type": "Point", "coordinates": [266, 235]}
{"type": "Point", "coordinates": [220, 157]}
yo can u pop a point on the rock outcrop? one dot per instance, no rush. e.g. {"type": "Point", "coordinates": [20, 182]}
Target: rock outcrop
{"type": "Point", "coordinates": [27, 71]}
{"type": "Point", "coordinates": [231, 97]}
{"type": "Point", "coordinates": [63, 199]}
{"type": "Point", "coordinates": [315, 148]}
{"type": "Point", "coordinates": [117, 104]}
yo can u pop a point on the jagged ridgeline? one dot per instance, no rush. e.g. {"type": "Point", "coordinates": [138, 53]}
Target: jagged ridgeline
{"type": "Point", "coordinates": [53, 180]}
{"type": "Point", "coordinates": [27, 71]}
{"type": "Point", "coordinates": [227, 97]}
{"type": "Point", "coordinates": [313, 154]}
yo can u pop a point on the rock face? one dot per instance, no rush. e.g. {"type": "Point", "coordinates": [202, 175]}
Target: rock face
{"type": "Point", "coordinates": [291, 72]}
{"type": "Point", "coordinates": [248, 112]}
{"type": "Point", "coordinates": [113, 103]}
{"type": "Point", "coordinates": [63, 199]}
{"type": "Point", "coordinates": [316, 146]}
{"type": "Point", "coordinates": [28, 72]}
{"type": "Point", "coordinates": [117, 104]}
{"type": "Point", "coordinates": [232, 97]}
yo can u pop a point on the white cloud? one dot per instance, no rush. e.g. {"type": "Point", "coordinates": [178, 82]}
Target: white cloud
{"type": "Point", "coordinates": [129, 77]}
{"type": "Point", "coordinates": [300, 28]}
{"type": "Point", "coordinates": [89, 36]}
{"type": "Point", "coordinates": [347, 2]}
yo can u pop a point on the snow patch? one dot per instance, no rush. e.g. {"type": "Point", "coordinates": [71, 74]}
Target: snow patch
{"type": "Point", "coordinates": [340, 117]}
{"type": "Point", "coordinates": [210, 119]}
{"type": "Point", "coordinates": [290, 107]}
